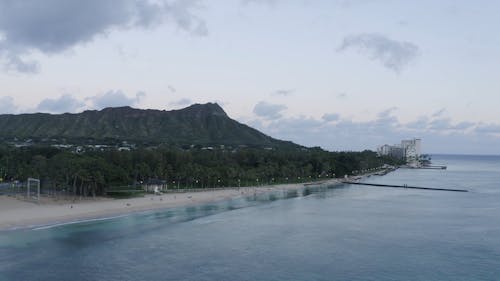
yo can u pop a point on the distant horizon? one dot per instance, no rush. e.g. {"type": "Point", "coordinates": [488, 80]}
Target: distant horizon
{"type": "Point", "coordinates": [453, 154]}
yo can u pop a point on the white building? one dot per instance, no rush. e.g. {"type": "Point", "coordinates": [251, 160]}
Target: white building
{"type": "Point", "coordinates": [410, 150]}
{"type": "Point", "coordinates": [391, 150]}
{"type": "Point", "coordinates": [384, 149]}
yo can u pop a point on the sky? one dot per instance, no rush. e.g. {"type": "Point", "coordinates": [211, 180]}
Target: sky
{"type": "Point", "coordinates": [339, 74]}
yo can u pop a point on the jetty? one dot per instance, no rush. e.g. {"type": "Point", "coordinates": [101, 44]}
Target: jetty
{"type": "Point", "coordinates": [434, 167]}
{"type": "Point", "coordinates": [404, 186]}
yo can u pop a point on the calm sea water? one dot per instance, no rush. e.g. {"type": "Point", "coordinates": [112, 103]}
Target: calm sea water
{"type": "Point", "coordinates": [341, 233]}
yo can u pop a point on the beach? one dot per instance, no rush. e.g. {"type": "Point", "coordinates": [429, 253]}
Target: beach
{"type": "Point", "coordinates": [17, 213]}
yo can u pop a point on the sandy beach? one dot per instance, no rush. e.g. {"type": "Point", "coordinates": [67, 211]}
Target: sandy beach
{"type": "Point", "coordinates": [17, 213]}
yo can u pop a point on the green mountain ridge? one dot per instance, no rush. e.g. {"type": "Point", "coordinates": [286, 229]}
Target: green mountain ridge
{"type": "Point", "coordinates": [198, 124]}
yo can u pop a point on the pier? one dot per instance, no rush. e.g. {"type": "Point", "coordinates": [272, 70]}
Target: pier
{"type": "Point", "coordinates": [435, 167]}
{"type": "Point", "coordinates": [405, 186]}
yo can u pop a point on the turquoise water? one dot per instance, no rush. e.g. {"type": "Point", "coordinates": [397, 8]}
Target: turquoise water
{"type": "Point", "coordinates": [341, 233]}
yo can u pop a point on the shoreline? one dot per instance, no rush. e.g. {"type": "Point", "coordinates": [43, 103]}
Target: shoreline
{"type": "Point", "coordinates": [16, 214]}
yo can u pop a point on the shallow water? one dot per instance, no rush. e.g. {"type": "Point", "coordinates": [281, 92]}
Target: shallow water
{"type": "Point", "coordinates": [341, 233]}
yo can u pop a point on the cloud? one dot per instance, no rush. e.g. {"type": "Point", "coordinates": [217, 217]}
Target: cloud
{"type": "Point", "coordinates": [71, 104]}
{"type": "Point", "coordinates": [439, 113]}
{"type": "Point", "coordinates": [220, 102]}
{"type": "Point", "coordinates": [54, 26]}
{"type": "Point", "coordinates": [7, 105]}
{"type": "Point", "coordinates": [282, 92]}
{"type": "Point", "coordinates": [346, 4]}
{"type": "Point", "coordinates": [386, 113]}
{"type": "Point", "coordinates": [13, 62]}
{"type": "Point", "coordinates": [463, 125]}
{"type": "Point", "coordinates": [267, 2]}
{"type": "Point", "coordinates": [441, 135]}
{"type": "Point", "coordinates": [65, 103]}
{"type": "Point", "coordinates": [114, 99]}
{"type": "Point", "coordinates": [182, 102]}
{"type": "Point", "coordinates": [330, 117]}
{"type": "Point", "coordinates": [342, 96]}
{"type": "Point", "coordinates": [172, 89]}
{"type": "Point", "coordinates": [386, 119]}
{"type": "Point", "coordinates": [440, 124]}
{"type": "Point", "coordinates": [435, 122]}
{"type": "Point", "coordinates": [488, 128]}
{"type": "Point", "coordinates": [268, 110]}
{"type": "Point", "coordinates": [419, 124]}
{"type": "Point", "coordinates": [301, 129]}
{"type": "Point", "coordinates": [394, 55]}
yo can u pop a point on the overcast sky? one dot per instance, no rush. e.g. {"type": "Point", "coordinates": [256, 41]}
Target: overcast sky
{"type": "Point", "coordinates": [343, 75]}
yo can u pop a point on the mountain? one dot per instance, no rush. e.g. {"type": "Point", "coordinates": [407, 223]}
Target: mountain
{"type": "Point", "coordinates": [199, 124]}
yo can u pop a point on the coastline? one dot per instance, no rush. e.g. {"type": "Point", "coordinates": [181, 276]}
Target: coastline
{"type": "Point", "coordinates": [18, 214]}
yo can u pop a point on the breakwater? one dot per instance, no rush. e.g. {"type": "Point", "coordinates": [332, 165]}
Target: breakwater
{"type": "Point", "coordinates": [405, 186]}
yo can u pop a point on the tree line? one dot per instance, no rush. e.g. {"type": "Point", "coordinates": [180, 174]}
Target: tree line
{"type": "Point", "coordinates": [95, 172]}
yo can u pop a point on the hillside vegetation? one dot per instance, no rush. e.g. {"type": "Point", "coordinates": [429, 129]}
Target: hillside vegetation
{"type": "Point", "coordinates": [195, 147]}
{"type": "Point", "coordinates": [199, 124]}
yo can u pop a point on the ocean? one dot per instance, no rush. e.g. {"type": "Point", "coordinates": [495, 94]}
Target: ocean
{"type": "Point", "coordinates": [336, 233]}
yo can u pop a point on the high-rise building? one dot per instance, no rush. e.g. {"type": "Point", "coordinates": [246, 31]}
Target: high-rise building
{"type": "Point", "coordinates": [394, 151]}
{"type": "Point", "coordinates": [410, 150]}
